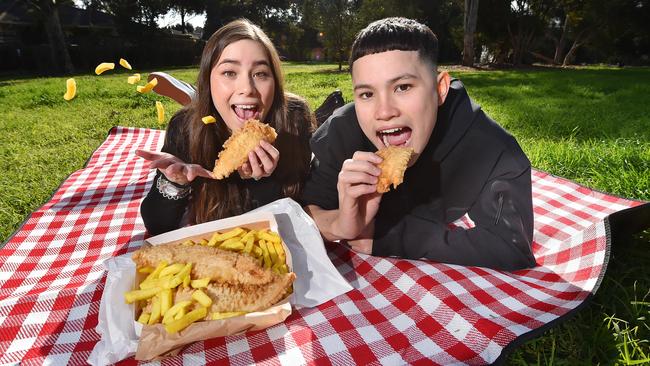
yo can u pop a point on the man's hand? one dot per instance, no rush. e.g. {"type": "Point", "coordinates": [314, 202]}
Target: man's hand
{"type": "Point", "coordinates": [174, 169]}
{"type": "Point", "coordinates": [358, 197]}
{"type": "Point", "coordinates": [261, 162]}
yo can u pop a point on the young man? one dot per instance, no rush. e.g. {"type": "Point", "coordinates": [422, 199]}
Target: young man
{"type": "Point", "coordinates": [464, 163]}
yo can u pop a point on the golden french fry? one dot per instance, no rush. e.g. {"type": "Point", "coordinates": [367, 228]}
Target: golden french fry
{"type": "Point", "coordinates": [104, 66]}
{"type": "Point", "coordinates": [208, 119]}
{"type": "Point", "coordinates": [144, 318]}
{"type": "Point", "coordinates": [155, 311]}
{"type": "Point", "coordinates": [70, 89]}
{"type": "Point", "coordinates": [272, 253]}
{"type": "Point", "coordinates": [160, 110]}
{"type": "Point", "coordinates": [133, 79]}
{"type": "Point", "coordinates": [171, 313]}
{"type": "Point", "coordinates": [125, 64]}
{"type": "Point", "coordinates": [270, 236]}
{"type": "Point", "coordinates": [232, 244]}
{"type": "Point", "coordinates": [214, 240]}
{"type": "Point", "coordinates": [186, 281]}
{"type": "Point", "coordinates": [265, 254]}
{"type": "Point", "coordinates": [165, 300]}
{"type": "Point", "coordinates": [159, 282]}
{"type": "Point", "coordinates": [249, 244]}
{"type": "Point", "coordinates": [257, 251]}
{"type": "Point", "coordinates": [180, 314]}
{"type": "Point", "coordinates": [202, 298]}
{"type": "Point", "coordinates": [282, 256]}
{"type": "Point", "coordinates": [147, 87]}
{"type": "Point", "coordinates": [224, 315]}
{"type": "Point", "coordinates": [202, 282]}
{"type": "Point", "coordinates": [145, 269]}
{"type": "Point", "coordinates": [250, 234]}
{"type": "Point", "coordinates": [203, 242]}
{"type": "Point", "coordinates": [154, 275]}
{"type": "Point", "coordinates": [171, 270]}
{"type": "Point", "coordinates": [280, 268]}
{"type": "Point", "coordinates": [230, 234]}
{"type": "Point", "coordinates": [136, 295]}
{"type": "Point", "coordinates": [185, 321]}
{"type": "Point", "coordinates": [188, 243]}
{"type": "Point", "coordinates": [178, 278]}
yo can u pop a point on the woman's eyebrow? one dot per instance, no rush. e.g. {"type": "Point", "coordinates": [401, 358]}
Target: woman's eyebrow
{"type": "Point", "coordinates": [238, 63]}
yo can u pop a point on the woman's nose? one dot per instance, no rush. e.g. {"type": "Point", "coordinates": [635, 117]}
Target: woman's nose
{"type": "Point", "coordinates": [246, 85]}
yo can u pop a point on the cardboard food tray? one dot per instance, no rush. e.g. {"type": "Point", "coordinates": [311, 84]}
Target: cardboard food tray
{"type": "Point", "coordinates": [154, 340]}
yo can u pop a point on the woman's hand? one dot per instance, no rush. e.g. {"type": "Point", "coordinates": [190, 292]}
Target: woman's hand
{"type": "Point", "coordinates": [261, 162]}
{"type": "Point", "coordinates": [174, 169]}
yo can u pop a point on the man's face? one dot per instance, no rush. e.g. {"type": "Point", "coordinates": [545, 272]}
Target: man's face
{"type": "Point", "coordinates": [396, 98]}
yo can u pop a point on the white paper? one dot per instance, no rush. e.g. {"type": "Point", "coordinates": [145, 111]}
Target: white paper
{"type": "Point", "coordinates": [317, 280]}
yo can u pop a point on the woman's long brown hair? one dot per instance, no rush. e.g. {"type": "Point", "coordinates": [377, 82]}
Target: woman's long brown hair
{"type": "Point", "coordinates": [223, 198]}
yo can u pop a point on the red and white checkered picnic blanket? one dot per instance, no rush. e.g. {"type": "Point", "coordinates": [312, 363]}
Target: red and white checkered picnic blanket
{"type": "Point", "coordinates": [401, 311]}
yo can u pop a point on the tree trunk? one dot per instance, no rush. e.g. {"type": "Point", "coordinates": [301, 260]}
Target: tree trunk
{"type": "Point", "coordinates": [470, 18]}
{"type": "Point", "coordinates": [182, 19]}
{"type": "Point", "coordinates": [579, 41]}
{"type": "Point", "coordinates": [570, 56]}
{"type": "Point", "coordinates": [559, 47]}
{"type": "Point", "coordinates": [212, 19]}
{"type": "Point", "coordinates": [58, 46]}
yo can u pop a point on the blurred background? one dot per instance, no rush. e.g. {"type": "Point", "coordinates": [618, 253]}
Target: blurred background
{"type": "Point", "coordinates": [56, 37]}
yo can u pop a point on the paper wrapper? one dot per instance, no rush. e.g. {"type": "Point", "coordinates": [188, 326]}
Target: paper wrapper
{"type": "Point", "coordinates": [154, 339]}
{"type": "Point", "coordinates": [317, 282]}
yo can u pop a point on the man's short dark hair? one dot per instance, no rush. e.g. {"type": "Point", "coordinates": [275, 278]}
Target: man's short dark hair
{"type": "Point", "coordinates": [395, 33]}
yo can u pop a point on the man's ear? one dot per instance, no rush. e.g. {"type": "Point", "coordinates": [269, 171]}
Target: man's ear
{"type": "Point", "coordinates": [444, 81]}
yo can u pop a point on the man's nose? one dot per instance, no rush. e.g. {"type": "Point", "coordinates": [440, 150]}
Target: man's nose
{"type": "Point", "coordinates": [385, 109]}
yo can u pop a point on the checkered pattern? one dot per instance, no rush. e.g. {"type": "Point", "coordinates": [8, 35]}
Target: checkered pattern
{"type": "Point", "coordinates": [401, 311]}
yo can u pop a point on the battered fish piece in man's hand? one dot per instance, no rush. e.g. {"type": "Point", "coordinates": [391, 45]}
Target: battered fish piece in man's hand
{"type": "Point", "coordinates": [393, 166]}
{"type": "Point", "coordinates": [236, 148]}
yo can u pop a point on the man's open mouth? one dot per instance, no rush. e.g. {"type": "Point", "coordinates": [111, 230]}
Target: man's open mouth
{"type": "Point", "coordinates": [246, 111]}
{"type": "Point", "coordinates": [397, 136]}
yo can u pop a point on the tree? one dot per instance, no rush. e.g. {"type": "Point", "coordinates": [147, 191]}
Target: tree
{"type": "Point", "coordinates": [47, 11]}
{"type": "Point", "coordinates": [336, 20]}
{"type": "Point", "coordinates": [187, 7]}
{"type": "Point", "coordinates": [470, 18]}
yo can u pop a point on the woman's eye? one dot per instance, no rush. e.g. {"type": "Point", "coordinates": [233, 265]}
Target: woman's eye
{"type": "Point", "coordinates": [228, 74]}
{"type": "Point", "coordinates": [261, 75]}
{"type": "Point", "coordinates": [403, 87]}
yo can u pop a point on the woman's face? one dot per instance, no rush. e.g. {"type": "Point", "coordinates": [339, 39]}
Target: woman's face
{"type": "Point", "coordinates": [242, 83]}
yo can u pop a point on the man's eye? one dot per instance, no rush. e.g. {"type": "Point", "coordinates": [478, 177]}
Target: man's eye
{"type": "Point", "coordinates": [403, 87]}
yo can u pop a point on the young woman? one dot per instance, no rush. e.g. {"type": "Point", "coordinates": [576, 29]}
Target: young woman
{"type": "Point", "coordinates": [239, 78]}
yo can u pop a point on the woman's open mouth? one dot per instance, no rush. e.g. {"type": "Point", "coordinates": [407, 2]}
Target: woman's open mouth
{"type": "Point", "coordinates": [246, 111]}
{"type": "Point", "coordinates": [398, 136]}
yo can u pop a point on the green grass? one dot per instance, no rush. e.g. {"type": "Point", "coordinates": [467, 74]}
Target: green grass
{"type": "Point", "coordinates": [591, 125]}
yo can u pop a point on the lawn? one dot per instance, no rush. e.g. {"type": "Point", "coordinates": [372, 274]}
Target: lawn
{"type": "Point", "coordinates": [589, 125]}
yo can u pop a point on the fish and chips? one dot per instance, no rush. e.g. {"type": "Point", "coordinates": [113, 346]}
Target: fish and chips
{"type": "Point", "coordinates": [229, 274]}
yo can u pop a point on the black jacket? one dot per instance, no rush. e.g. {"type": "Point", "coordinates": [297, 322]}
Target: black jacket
{"type": "Point", "coordinates": [470, 165]}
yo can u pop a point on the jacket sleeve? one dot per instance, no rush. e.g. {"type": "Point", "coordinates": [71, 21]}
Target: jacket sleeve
{"type": "Point", "coordinates": [161, 214]}
{"type": "Point", "coordinates": [501, 238]}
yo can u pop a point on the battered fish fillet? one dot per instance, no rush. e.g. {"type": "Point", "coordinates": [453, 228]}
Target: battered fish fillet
{"type": "Point", "coordinates": [248, 298]}
{"type": "Point", "coordinates": [219, 265]}
{"type": "Point", "coordinates": [393, 166]}
{"type": "Point", "coordinates": [236, 148]}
